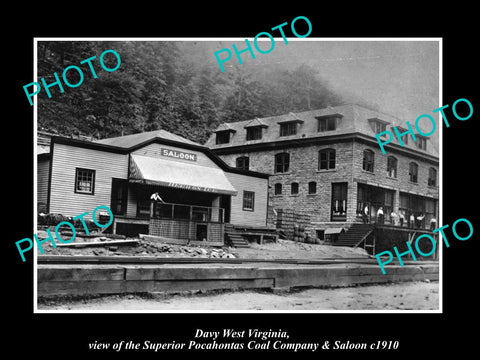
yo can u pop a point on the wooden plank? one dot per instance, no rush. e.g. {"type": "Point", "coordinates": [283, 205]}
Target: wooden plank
{"type": "Point", "coordinates": [162, 239]}
{"type": "Point", "coordinates": [49, 273]}
{"type": "Point", "coordinates": [117, 287]}
{"type": "Point", "coordinates": [99, 243]}
{"type": "Point", "coordinates": [193, 273]}
{"type": "Point", "coordinates": [179, 241]}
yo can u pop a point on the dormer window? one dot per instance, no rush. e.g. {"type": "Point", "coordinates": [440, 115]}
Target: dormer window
{"type": "Point", "coordinates": [223, 134]}
{"type": "Point", "coordinates": [421, 142]}
{"type": "Point", "coordinates": [223, 137]}
{"type": "Point", "coordinates": [290, 125]}
{"type": "Point", "coordinates": [254, 129]}
{"type": "Point", "coordinates": [288, 128]}
{"type": "Point", "coordinates": [378, 125]}
{"type": "Point", "coordinates": [405, 137]}
{"type": "Point", "coordinates": [254, 133]}
{"type": "Point", "coordinates": [328, 122]}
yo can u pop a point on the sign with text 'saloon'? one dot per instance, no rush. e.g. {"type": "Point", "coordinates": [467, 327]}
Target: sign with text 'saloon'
{"type": "Point", "coordinates": [178, 154]}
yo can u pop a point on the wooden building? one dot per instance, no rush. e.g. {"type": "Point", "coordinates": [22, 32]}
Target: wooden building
{"type": "Point", "coordinates": [196, 193]}
{"type": "Point", "coordinates": [326, 164]}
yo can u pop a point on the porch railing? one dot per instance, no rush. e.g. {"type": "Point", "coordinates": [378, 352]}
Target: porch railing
{"type": "Point", "coordinates": [186, 212]}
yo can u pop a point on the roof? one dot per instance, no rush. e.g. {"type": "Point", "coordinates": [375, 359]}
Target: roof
{"type": "Point", "coordinates": [225, 127]}
{"type": "Point", "coordinates": [133, 142]}
{"type": "Point", "coordinates": [352, 119]}
{"type": "Point", "coordinates": [128, 141]}
{"type": "Point", "coordinates": [149, 170]}
{"type": "Point", "coordinates": [256, 123]}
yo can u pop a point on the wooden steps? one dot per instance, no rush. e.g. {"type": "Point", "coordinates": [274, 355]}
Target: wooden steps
{"type": "Point", "coordinates": [355, 234]}
{"type": "Point", "coordinates": [234, 238]}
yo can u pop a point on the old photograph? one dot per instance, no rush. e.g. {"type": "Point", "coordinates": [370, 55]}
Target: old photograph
{"type": "Point", "coordinates": [238, 175]}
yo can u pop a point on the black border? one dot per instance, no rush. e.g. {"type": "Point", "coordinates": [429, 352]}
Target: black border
{"type": "Point", "coordinates": [61, 335]}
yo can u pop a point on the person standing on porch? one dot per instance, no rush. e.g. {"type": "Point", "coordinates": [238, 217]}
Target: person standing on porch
{"type": "Point", "coordinates": [412, 220]}
{"type": "Point", "coordinates": [394, 218]}
{"type": "Point", "coordinates": [155, 197]}
{"type": "Point", "coordinates": [380, 215]}
{"type": "Point", "coordinates": [365, 215]}
{"type": "Point", "coordinates": [402, 217]}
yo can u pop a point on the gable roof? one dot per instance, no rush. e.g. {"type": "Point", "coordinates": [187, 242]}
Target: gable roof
{"type": "Point", "coordinates": [256, 123]}
{"type": "Point", "coordinates": [127, 141]}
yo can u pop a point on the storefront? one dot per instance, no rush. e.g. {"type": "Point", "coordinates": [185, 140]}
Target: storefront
{"type": "Point", "coordinates": [155, 183]}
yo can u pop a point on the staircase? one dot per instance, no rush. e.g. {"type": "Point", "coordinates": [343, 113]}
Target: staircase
{"type": "Point", "coordinates": [354, 235]}
{"type": "Point", "coordinates": [234, 238]}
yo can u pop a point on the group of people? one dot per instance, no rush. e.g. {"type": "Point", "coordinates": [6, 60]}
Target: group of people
{"type": "Point", "coordinates": [398, 219]}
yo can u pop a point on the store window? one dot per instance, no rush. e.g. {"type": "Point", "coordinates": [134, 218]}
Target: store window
{"type": "Point", "coordinates": [339, 202]}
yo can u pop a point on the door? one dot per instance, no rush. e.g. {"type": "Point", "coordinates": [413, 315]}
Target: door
{"type": "Point", "coordinates": [339, 202]}
{"type": "Point", "coordinates": [119, 194]}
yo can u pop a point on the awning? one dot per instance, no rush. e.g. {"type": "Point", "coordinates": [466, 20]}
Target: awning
{"type": "Point", "coordinates": [333, 231]}
{"type": "Point", "coordinates": [179, 175]}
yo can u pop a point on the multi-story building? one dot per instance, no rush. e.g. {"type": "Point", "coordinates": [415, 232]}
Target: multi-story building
{"type": "Point", "coordinates": [327, 163]}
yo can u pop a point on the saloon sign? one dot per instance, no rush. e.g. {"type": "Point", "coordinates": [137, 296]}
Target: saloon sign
{"type": "Point", "coordinates": [178, 154]}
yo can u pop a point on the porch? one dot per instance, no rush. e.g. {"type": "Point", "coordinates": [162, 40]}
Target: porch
{"type": "Point", "coordinates": [179, 223]}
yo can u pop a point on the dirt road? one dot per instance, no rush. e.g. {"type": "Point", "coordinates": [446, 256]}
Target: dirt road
{"type": "Point", "coordinates": [402, 296]}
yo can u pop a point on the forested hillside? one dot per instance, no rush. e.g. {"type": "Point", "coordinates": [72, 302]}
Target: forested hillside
{"type": "Point", "coordinates": [166, 85]}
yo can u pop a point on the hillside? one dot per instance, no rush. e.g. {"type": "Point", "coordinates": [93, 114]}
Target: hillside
{"type": "Point", "coordinates": [166, 85]}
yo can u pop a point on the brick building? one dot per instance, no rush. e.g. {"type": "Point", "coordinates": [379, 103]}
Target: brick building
{"type": "Point", "coordinates": [328, 165]}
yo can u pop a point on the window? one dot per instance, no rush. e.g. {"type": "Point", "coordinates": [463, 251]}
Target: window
{"type": "Point", "coordinates": [339, 202]}
{"type": "Point", "coordinates": [392, 167]}
{"type": "Point", "coordinates": [294, 188]}
{"type": "Point", "coordinates": [248, 200]}
{"type": "Point", "coordinates": [421, 142]}
{"type": "Point", "coordinates": [320, 234]}
{"type": "Point", "coordinates": [312, 187]}
{"type": "Point", "coordinates": [289, 128]}
{"type": "Point", "coordinates": [242, 162]}
{"type": "Point", "coordinates": [432, 177]}
{"type": "Point", "coordinates": [413, 172]}
{"type": "Point", "coordinates": [84, 181]}
{"type": "Point", "coordinates": [326, 159]}
{"type": "Point", "coordinates": [380, 127]}
{"type": "Point", "coordinates": [404, 138]}
{"type": "Point", "coordinates": [278, 189]}
{"type": "Point", "coordinates": [223, 137]}
{"type": "Point", "coordinates": [327, 124]}
{"type": "Point", "coordinates": [368, 160]}
{"type": "Point", "coordinates": [254, 133]}
{"type": "Point", "coordinates": [282, 162]}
